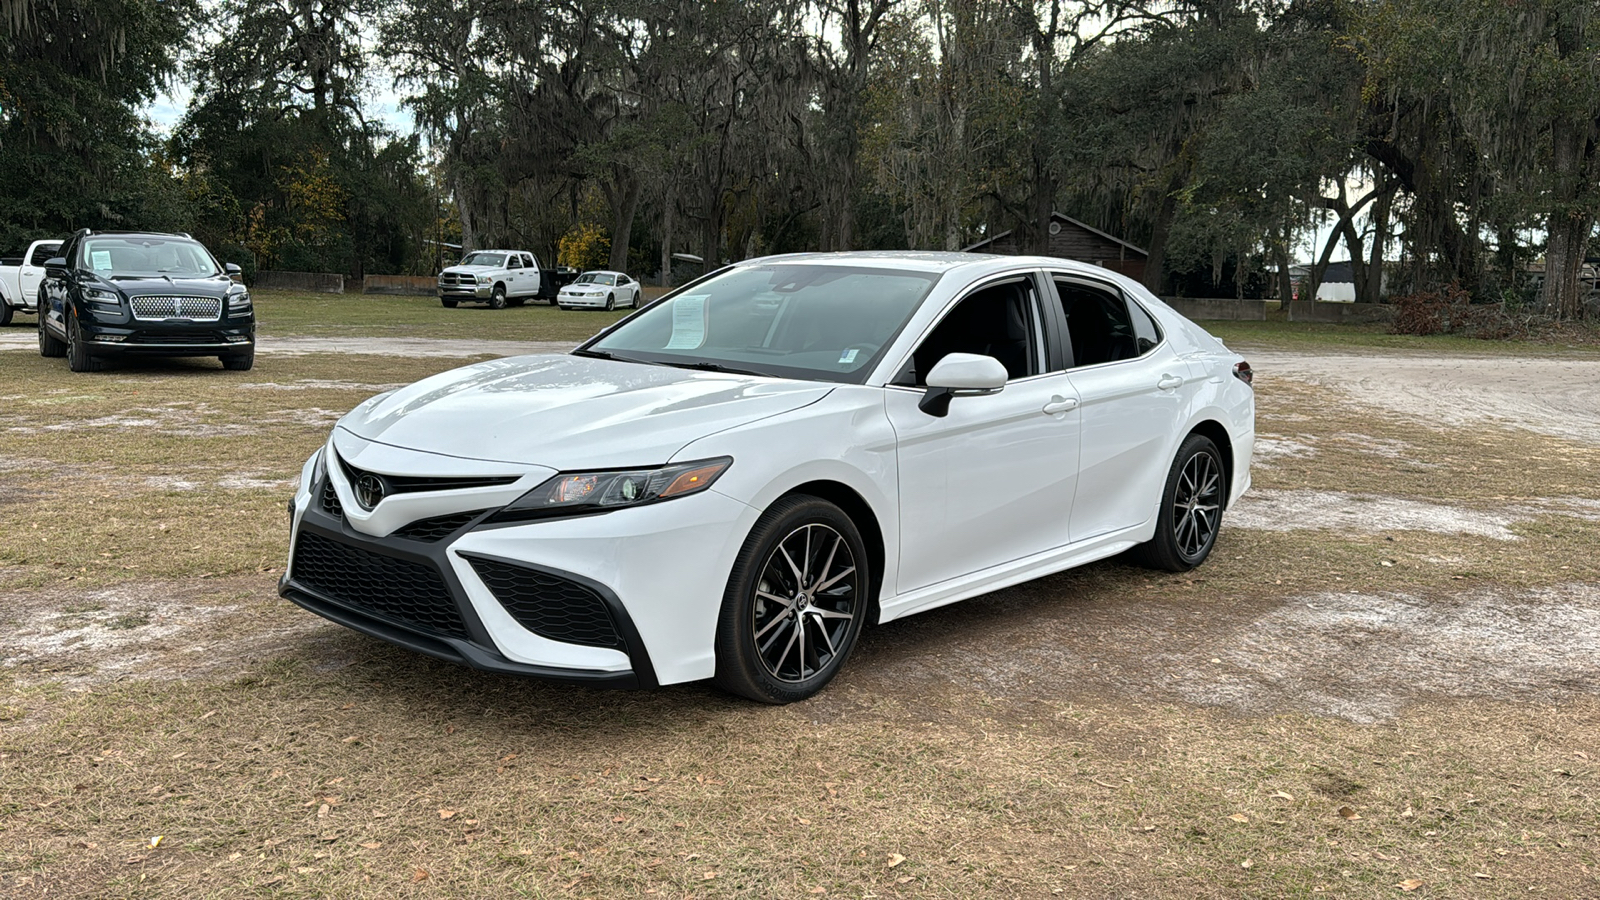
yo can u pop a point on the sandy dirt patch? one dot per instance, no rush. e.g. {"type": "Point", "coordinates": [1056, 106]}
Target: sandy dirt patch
{"type": "Point", "coordinates": [1263, 509]}
{"type": "Point", "coordinates": [1554, 396]}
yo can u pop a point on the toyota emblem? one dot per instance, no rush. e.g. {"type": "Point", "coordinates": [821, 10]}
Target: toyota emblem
{"type": "Point", "coordinates": [370, 490]}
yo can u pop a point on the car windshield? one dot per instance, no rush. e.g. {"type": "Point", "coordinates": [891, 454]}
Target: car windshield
{"type": "Point", "coordinates": [484, 259]}
{"type": "Point", "coordinates": [111, 257]}
{"type": "Point", "coordinates": [821, 322]}
{"type": "Point", "coordinates": [596, 278]}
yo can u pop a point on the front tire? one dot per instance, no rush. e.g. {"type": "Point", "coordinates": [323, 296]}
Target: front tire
{"type": "Point", "coordinates": [79, 359]}
{"type": "Point", "coordinates": [5, 314]}
{"type": "Point", "coordinates": [795, 603]}
{"type": "Point", "coordinates": [239, 362]}
{"type": "Point", "coordinates": [497, 299]}
{"type": "Point", "coordinates": [611, 302]}
{"type": "Point", "coordinates": [447, 304]}
{"type": "Point", "coordinates": [1191, 509]}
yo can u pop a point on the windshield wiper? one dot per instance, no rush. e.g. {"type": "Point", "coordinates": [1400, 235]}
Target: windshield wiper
{"type": "Point", "coordinates": [715, 367]}
{"type": "Point", "coordinates": [596, 354]}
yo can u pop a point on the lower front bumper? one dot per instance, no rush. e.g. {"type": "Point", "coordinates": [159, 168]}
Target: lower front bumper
{"type": "Point", "coordinates": [480, 292]}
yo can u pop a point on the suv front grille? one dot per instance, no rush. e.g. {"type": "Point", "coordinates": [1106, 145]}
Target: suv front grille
{"type": "Point", "coordinates": [410, 593]}
{"type": "Point", "coordinates": [550, 606]}
{"type": "Point", "coordinates": [195, 309]}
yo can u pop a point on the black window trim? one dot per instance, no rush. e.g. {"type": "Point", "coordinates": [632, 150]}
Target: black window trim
{"type": "Point", "coordinates": [1089, 281]}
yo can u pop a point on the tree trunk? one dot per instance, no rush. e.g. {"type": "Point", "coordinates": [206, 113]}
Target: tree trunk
{"type": "Point", "coordinates": [625, 207]}
{"type": "Point", "coordinates": [1571, 219]}
{"type": "Point", "coordinates": [666, 241]}
{"type": "Point", "coordinates": [1371, 291]}
{"type": "Point", "coordinates": [1155, 263]}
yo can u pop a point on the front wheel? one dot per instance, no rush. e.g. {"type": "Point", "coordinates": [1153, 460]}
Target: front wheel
{"type": "Point", "coordinates": [79, 359]}
{"type": "Point", "coordinates": [1191, 509]}
{"type": "Point", "coordinates": [795, 603]}
{"type": "Point", "coordinates": [240, 362]}
{"type": "Point", "coordinates": [497, 300]}
{"type": "Point", "coordinates": [5, 313]}
{"type": "Point", "coordinates": [611, 302]}
{"type": "Point", "coordinates": [447, 304]}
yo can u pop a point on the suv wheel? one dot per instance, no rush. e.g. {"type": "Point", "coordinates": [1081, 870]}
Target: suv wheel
{"type": "Point", "coordinates": [78, 356]}
{"type": "Point", "coordinates": [49, 346]}
{"type": "Point", "coordinates": [240, 362]}
{"type": "Point", "coordinates": [497, 300]}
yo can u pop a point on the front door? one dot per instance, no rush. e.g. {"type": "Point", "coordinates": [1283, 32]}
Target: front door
{"type": "Point", "coordinates": [993, 480]}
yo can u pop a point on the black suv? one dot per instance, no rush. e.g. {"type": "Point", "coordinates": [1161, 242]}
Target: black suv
{"type": "Point", "coordinates": [115, 293]}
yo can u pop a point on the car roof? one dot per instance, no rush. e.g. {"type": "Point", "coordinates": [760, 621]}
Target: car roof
{"type": "Point", "coordinates": [930, 261]}
{"type": "Point", "coordinates": [601, 272]}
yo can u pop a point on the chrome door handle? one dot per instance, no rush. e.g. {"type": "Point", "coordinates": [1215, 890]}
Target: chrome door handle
{"type": "Point", "coordinates": [1169, 382]}
{"type": "Point", "coordinates": [1059, 404]}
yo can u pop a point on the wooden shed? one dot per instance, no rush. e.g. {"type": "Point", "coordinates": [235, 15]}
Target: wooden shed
{"type": "Point", "coordinates": [1071, 239]}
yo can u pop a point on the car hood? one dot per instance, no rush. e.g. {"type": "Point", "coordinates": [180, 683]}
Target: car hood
{"type": "Point", "coordinates": [571, 412]}
{"type": "Point", "coordinates": [140, 285]}
{"type": "Point", "coordinates": [471, 270]}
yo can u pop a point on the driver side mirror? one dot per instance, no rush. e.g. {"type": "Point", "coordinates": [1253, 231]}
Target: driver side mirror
{"type": "Point", "coordinates": [56, 267]}
{"type": "Point", "coordinates": [961, 373]}
{"type": "Point", "coordinates": [233, 271]}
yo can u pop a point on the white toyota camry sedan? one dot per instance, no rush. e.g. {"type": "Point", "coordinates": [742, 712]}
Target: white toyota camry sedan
{"type": "Point", "coordinates": [734, 481]}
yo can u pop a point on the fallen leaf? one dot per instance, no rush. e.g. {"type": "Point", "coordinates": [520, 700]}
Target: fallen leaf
{"type": "Point", "coordinates": [1484, 875]}
{"type": "Point", "coordinates": [155, 842]}
{"type": "Point", "coordinates": [322, 811]}
{"type": "Point", "coordinates": [1239, 817]}
{"type": "Point", "coordinates": [1283, 796]}
{"type": "Point", "coordinates": [1346, 812]}
{"type": "Point", "coordinates": [372, 845]}
{"type": "Point", "coordinates": [1410, 884]}
{"type": "Point", "coordinates": [618, 819]}
{"type": "Point", "coordinates": [895, 859]}
{"type": "Point", "coordinates": [818, 890]}
{"type": "Point", "coordinates": [1408, 812]}
{"type": "Point", "coordinates": [1247, 864]}
{"type": "Point", "coordinates": [904, 878]}
{"type": "Point", "coordinates": [448, 813]}
{"type": "Point", "coordinates": [1144, 828]}
{"type": "Point", "coordinates": [420, 875]}
{"type": "Point", "coordinates": [708, 876]}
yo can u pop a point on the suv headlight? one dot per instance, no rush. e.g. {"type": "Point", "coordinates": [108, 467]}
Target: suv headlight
{"type": "Point", "coordinates": [238, 301]}
{"type": "Point", "coordinates": [102, 296]}
{"type": "Point", "coordinates": [571, 493]}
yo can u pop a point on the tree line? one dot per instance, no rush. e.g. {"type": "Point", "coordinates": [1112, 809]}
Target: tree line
{"type": "Point", "coordinates": [1439, 141]}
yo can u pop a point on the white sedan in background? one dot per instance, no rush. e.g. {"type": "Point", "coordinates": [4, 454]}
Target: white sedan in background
{"type": "Point", "coordinates": [733, 483]}
{"type": "Point", "coordinates": [600, 290]}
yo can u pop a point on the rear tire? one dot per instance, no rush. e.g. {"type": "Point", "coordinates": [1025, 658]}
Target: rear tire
{"type": "Point", "coordinates": [49, 346]}
{"type": "Point", "coordinates": [239, 362]}
{"type": "Point", "coordinates": [447, 304]}
{"type": "Point", "coordinates": [795, 603]}
{"type": "Point", "coordinates": [497, 299]}
{"type": "Point", "coordinates": [79, 359]}
{"type": "Point", "coordinates": [1191, 509]}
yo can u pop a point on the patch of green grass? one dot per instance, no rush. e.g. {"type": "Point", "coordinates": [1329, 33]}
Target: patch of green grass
{"type": "Point", "coordinates": [291, 313]}
{"type": "Point", "coordinates": [1280, 334]}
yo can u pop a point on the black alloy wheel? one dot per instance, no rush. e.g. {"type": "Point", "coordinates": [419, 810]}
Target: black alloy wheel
{"type": "Point", "coordinates": [1191, 508]}
{"type": "Point", "coordinates": [795, 603]}
{"type": "Point", "coordinates": [497, 299]}
{"type": "Point", "coordinates": [79, 359]}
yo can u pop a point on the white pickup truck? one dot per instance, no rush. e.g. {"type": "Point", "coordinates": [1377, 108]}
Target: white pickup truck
{"type": "Point", "coordinates": [20, 277]}
{"type": "Point", "coordinates": [499, 278]}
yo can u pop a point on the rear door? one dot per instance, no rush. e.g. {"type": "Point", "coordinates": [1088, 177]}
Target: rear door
{"type": "Point", "coordinates": [32, 272]}
{"type": "Point", "coordinates": [1135, 393]}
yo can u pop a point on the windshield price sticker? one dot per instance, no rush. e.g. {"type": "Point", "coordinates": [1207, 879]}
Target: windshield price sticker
{"type": "Point", "coordinates": [848, 356]}
{"type": "Point", "coordinates": [101, 260]}
{"type": "Point", "coordinates": [688, 322]}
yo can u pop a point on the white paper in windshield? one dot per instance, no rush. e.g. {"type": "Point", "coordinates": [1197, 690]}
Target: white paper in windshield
{"type": "Point", "coordinates": [101, 260]}
{"type": "Point", "coordinates": [688, 322]}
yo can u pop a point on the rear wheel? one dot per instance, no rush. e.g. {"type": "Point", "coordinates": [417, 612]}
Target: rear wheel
{"type": "Point", "coordinates": [497, 299]}
{"type": "Point", "coordinates": [79, 359]}
{"type": "Point", "coordinates": [448, 304]}
{"type": "Point", "coordinates": [1191, 509]}
{"type": "Point", "coordinates": [49, 345]}
{"type": "Point", "coordinates": [795, 603]}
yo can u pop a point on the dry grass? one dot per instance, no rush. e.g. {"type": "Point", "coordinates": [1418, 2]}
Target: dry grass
{"type": "Point", "coordinates": [286, 313]}
{"type": "Point", "coordinates": [1103, 732]}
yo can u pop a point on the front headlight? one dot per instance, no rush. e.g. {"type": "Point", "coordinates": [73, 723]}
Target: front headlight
{"type": "Point", "coordinates": [484, 279]}
{"type": "Point", "coordinates": [102, 296]}
{"type": "Point", "coordinates": [571, 493]}
{"type": "Point", "coordinates": [239, 301]}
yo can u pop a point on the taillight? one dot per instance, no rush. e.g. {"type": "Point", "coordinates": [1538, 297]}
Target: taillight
{"type": "Point", "coordinates": [1241, 371]}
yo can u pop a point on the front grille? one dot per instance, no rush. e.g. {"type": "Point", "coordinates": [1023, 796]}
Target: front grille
{"type": "Point", "coordinates": [410, 593]}
{"type": "Point", "coordinates": [452, 279]}
{"type": "Point", "coordinates": [401, 484]}
{"type": "Point", "coordinates": [438, 526]}
{"type": "Point", "coordinates": [198, 309]}
{"type": "Point", "coordinates": [330, 500]}
{"type": "Point", "coordinates": [550, 606]}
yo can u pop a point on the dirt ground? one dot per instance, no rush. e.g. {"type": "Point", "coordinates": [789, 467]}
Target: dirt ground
{"type": "Point", "coordinates": [1377, 600]}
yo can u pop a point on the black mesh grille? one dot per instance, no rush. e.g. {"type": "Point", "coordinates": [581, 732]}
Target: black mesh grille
{"type": "Point", "coordinates": [402, 484]}
{"type": "Point", "coordinates": [549, 606]}
{"type": "Point", "coordinates": [330, 500]}
{"type": "Point", "coordinates": [437, 527]}
{"type": "Point", "coordinates": [408, 592]}
{"type": "Point", "coordinates": [208, 337]}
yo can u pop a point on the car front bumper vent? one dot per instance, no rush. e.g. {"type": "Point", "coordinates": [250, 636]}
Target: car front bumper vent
{"type": "Point", "coordinates": [407, 592]}
{"type": "Point", "coordinates": [550, 606]}
{"type": "Point", "coordinates": [194, 309]}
